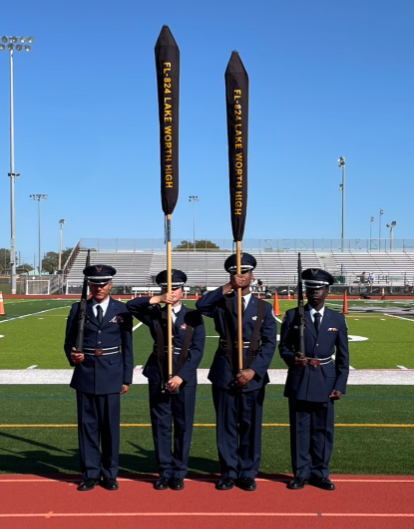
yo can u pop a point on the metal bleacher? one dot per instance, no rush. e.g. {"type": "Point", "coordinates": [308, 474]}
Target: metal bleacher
{"type": "Point", "coordinates": [396, 266]}
{"type": "Point", "coordinates": [132, 267]}
{"type": "Point", "coordinates": [204, 268]}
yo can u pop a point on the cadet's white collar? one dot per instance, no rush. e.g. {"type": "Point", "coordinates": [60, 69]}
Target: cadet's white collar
{"type": "Point", "coordinates": [312, 311]}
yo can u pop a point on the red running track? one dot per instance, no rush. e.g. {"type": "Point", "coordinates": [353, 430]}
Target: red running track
{"type": "Point", "coordinates": [359, 502]}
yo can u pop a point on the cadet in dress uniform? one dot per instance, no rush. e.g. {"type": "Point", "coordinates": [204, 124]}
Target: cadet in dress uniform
{"type": "Point", "coordinates": [314, 381]}
{"type": "Point", "coordinates": [238, 395]}
{"type": "Point", "coordinates": [102, 374]}
{"type": "Point", "coordinates": [171, 399]}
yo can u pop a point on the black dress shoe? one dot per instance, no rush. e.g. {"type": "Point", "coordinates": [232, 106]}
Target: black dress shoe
{"type": "Point", "coordinates": [225, 484]}
{"type": "Point", "coordinates": [88, 484]}
{"type": "Point", "coordinates": [247, 484]}
{"type": "Point", "coordinates": [161, 484]}
{"type": "Point", "coordinates": [176, 484]}
{"type": "Point", "coordinates": [297, 483]}
{"type": "Point", "coordinates": [110, 484]}
{"type": "Point", "coordinates": [322, 483]}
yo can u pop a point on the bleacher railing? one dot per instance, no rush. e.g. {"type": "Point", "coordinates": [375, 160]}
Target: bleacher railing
{"type": "Point", "coordinates": [253, 245]}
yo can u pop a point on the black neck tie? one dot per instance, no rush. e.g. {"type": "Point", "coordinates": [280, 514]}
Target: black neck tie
{"type": "Point", "coordinates": [317, 321]}
{"type": "Point", "coordinates": [174, 316]}
{"type": "Point", "coordinates": [243, 305]}
{"type": "Point", "coordinates": [99, 314]}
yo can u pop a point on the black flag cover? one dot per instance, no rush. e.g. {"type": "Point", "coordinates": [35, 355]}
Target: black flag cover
{"type": "Point", "coordinates": [237, 104]}
{"type": "Point", "coordinates": [167, 59]}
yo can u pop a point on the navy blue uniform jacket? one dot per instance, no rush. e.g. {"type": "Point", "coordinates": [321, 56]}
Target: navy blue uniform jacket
{"type": "Point", "coordinates": [315, 383]}
{"type": "Point", "coordinates": [102, 375]}
{"type": "Point", "coordinates": [149, 315]}
{"type": "Point", "coordinates": [213, 305]}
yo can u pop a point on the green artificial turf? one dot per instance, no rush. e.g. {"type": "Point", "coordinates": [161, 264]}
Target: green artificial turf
{"type": "Point", "coordinates": [33, 334]}
{"type": "Point", "coordinates": [36, 338]}
{"type": "Point", "coordinates": [357, 450]}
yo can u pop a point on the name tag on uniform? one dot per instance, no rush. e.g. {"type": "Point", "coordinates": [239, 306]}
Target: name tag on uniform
{"type": "Point", "coordinates": [332, 329]}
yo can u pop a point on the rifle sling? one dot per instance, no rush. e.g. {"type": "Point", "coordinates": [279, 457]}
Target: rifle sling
{"type": "Point", "coordinates": [254, 340]}
{"type": "Point", "coordinates": [161, 356]}
{"type": "Point", "coordinates": [160, 345]}
{"type": "Point", "coordinates": [185, 347]}
{"type": "Point", "coordinates": [230, 334]}
{"type": "Point", "coordinates": [231, 350]}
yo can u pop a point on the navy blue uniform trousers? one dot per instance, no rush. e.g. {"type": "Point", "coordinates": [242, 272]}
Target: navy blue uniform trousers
{"type": "Point", "coordinates": [165, 408]}
{"type": "Point", "coordinates": [311, 437]}
{"type": "Point", "coordinates": [99, 423]}
{"type": "Point", "coordinates": [239, 427]}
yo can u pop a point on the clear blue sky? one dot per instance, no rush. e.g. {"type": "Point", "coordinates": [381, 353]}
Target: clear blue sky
{"type": "Point", "coordinates": [327, 79]}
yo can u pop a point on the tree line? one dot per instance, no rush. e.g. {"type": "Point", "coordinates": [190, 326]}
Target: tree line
{"type": "Point", "coordinates": [50, 262]}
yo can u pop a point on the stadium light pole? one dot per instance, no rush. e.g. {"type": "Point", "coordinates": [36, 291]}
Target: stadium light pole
{"type": "Point", "coordinates": [11, 44]}
{"type": "Point", "coordinates": [194, 199]}
{"type": "Point", "coordinates": [61, 222]}
{"type": "Point", "coordinates": [391, 227]}
{"type": "Point", "coordinates": [370, 232]}
{"type": "Point", "coordinates": [341, 164]}
{"type": "Point", "coordinates": [381, 213]}
{"type": "Point", "coordinates": [39, 198]}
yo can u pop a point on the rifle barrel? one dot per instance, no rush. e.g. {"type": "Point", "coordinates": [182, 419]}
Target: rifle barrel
{"type": "Point", "coordinates": [301, 310]}
{"type": "Point", "coordinates": [82, 309]}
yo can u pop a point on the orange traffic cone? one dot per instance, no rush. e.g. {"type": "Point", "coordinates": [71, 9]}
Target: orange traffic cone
{"type": "Point", "coordinates": [276, 309]}
{"type": "Point", "coordinates": [2, 311]}
{"type": "Point", "coordinates": [345, 308]}
{"type": "Point", "coordinates": [383, 293]}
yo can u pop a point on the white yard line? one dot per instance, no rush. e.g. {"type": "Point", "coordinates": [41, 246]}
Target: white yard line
{"type": "Point", "coordinates": [34, 314]}
{"type": "Point", "coordinates": [136, 326]}
{"type": "Point", "coordinates": [399, 317]}
{"type": "Point", "coordinates": [357, 377]}
{"type": "Point", "coordinates": [403, 368]}
{"type": "Point", "coordinates": [32, 367]}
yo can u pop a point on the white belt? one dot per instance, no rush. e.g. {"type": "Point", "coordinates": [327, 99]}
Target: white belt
{"type": "Point", "coordinates": [102, 352]}
{"type": "Point", "coordinates": [321, 361]}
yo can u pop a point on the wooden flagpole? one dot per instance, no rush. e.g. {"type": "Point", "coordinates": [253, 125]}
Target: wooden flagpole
{"type": "Point", "coordinates": [239, 307]}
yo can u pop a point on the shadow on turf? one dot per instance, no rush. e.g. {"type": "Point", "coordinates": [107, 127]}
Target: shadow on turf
{"type": "Point", "coordinates": [63, 465]}
{"type": "Point", "coordinates": [141, 466]}
{"type": "Point", "coordinates": [43, 459]}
